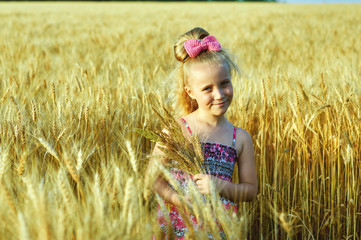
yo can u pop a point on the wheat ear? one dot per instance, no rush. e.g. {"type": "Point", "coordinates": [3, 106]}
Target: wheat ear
{"type": "Point", "coordinates": [34, 112]}
{"type": "Point", "coordinates": [71, 168]}
{"type": "Point", "coordinates": [21, 166]}
{"type": "Point", "coordinates": [49, 148]}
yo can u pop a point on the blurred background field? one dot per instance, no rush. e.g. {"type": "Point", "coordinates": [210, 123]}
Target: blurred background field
{"type": "Point", "coordinates": [78, 78]}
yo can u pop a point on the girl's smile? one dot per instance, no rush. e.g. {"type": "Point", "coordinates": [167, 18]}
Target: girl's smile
{"type": "Point", "coordinates": [219, 104]}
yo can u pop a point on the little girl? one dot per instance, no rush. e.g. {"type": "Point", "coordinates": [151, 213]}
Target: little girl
{"type": "Point", "coordinates": [205, 93]}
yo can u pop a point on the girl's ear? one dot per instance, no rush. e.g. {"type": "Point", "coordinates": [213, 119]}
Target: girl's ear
{"type": "Point", "coordinates": [189, 92]}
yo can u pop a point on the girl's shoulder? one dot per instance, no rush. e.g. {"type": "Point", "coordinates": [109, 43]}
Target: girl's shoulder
{"type": "Point", "coordinates": [243, 138]}
{"type": "Point", "coordinates": [182, 123]}
{"type": "Point", "coordinates": [184, 120]}
{"type": "Point", "coordinates": [242, 133]}
{"type": "Point", "coordinates": [187, 117]}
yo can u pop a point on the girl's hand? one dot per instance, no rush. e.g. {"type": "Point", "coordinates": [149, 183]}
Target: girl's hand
{"type": "Point", "coordinates": [203, 182]}
{"type": "Point", "coordinates": [183, 202]}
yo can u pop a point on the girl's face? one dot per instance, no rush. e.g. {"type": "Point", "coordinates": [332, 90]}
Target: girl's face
{"type": "Point", "coordinates": [211, 86]}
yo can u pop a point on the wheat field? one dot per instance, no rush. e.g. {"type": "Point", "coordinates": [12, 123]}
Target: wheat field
{"type": "Point", "coordinates": [77, 79]}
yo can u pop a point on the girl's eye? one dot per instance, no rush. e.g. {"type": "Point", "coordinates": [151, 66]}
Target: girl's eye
{"type": "Point", "coordinates": [207, 88]}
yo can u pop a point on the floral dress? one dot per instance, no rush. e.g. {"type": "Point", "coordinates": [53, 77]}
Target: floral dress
{"type": "Point", "coordinates": [219, 161]}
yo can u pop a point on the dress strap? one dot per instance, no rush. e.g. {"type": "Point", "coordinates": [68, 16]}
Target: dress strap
{"type": "Point", "coordinates": [186, 124]}
{"type": "Point", "coordinates": [234, 137]}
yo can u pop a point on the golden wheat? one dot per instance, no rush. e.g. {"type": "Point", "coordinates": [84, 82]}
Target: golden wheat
{"type": "Point", "coordinates": [80, 81]}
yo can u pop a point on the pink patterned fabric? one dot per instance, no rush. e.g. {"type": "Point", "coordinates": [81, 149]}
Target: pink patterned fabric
{"type": "Point", "coordinates": [219, 161]}
{"type": "Point", "coordinates": [195, 46]}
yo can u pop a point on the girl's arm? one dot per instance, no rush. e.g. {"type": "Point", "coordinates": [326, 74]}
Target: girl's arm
{"type": "Point", "coordinates": [166, 192]}
{"type": "Point", "coordinates": [160, 185]}
{"type": "Point", "coordinates": [246, 190]}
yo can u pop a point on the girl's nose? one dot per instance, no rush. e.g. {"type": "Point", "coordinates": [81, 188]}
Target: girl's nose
{"type": "Point", "coordinates": [218, 93]}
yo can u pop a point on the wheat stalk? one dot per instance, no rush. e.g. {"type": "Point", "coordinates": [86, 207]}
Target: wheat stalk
{"type": "Point", "coordinates": [34, 112]}
{"type": "Point", "coordinates": [53, 92]}
{"type": "Point", "coordinates": [4, 162]}
{"type": "Point", "coordinates": [63, 132]}
{"type": "Point", "coordinates": [23, 229]}
{"type": "Point", "coordinates": [115, 185]}
{"type": "Point", "coordinates": [78, 84]}
{"type": "Point", "coordinates": [67, 90]}
{"type": "Point", "coordinates": [9, 198]}
{"type": "Point", "coordinates": [21, 166]}
{"type": "Point", "coordinates": [63, 189]}
{"type": "Point", "coordinates": [49, 148]}
{"type": "Point", "coordinates": [185, 155]}
{"type": "Point", "coordinates": [86, 114]}
{"type": "Point", "coordinates": [128, 199]}
{"type": "Point", "coordinates": [5, 96]}
{"type": "Point", "coordinates": [132, 158]}
{"type": "Point", "coordinates": [71, 168]}
{"type": "Point", "coordinates": [79, 161]}
{"type": "Point", "coordinates": [99, 97]}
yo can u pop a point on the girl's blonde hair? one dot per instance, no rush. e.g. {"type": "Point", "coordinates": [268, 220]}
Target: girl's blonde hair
{"type": "Point", "coordinates": [182, 71]}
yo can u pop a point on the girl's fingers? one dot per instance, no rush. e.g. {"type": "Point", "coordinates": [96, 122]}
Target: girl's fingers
{"type": "Point", "coordinates": [201, 182]}
{"type": "Point", "coordinates": [203, 191]}
{"type": "Point", "coordinates": [197, 177]}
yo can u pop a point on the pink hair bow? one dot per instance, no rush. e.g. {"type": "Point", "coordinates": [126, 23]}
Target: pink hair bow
{"type": "Point", "coordinates": [195, 46]}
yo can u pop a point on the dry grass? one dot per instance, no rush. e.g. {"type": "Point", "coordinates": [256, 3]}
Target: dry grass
{"type": "Point", "coordinates": [76, 81]}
